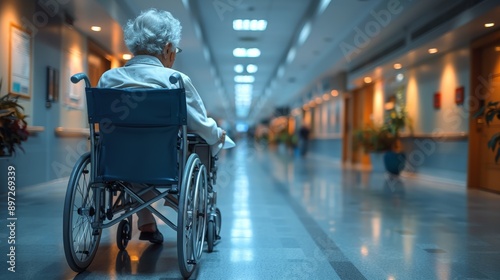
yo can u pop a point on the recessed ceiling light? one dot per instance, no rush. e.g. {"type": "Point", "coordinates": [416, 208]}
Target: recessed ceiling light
{"type": "Point", "coordinates": [489, 24]}
{"type": "Point", "coordinates": [400, 77]}
{"type": "Point", "coordinates": [397, 66]}
{"type": "Point", "coordinates": [95, 28]}
{"type": "Point", "coordinates": [334, 92]}
{"type": "Point", "coordinates": [249, 24]}
{"type": "Point", "coordinates": [239, 68]}
{"type": "Point", "coordinates": [432, 50]}
{"type": "Point", "coordinates": [367, 80]}
{"type": "Point", "coordinates": [127, 56]}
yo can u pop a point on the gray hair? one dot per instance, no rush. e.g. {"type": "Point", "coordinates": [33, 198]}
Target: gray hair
{"type": "Point", "coordinates": [151, 31]}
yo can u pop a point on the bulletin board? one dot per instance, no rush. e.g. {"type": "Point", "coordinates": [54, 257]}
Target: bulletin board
{"type": "Point", "coordinates": [20, 57]}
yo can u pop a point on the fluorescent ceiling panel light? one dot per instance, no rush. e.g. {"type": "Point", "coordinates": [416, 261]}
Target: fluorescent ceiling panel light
{"type": "Point", "coordinates": [242, 52]}
{"type": "Point", "coordinates": [304, 33]}
{"type": "Point", "coordinates": [95, 28]}
{"type": "Point", "coordinates": [323, 5]}
{"type": "Point", "coordinates": [249, 25]}
{"type": "Point", "coordinates": [291, 55]}
{"type": "Point", "coordinates": [244, 79]}
{"type": "Point", "coordinates": [243, 89]}
{"type": "Point", "coordinates": [253, 52]}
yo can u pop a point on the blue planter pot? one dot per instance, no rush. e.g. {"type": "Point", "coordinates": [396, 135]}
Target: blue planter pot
{"type": "Point", "coordinates": [394, 162]}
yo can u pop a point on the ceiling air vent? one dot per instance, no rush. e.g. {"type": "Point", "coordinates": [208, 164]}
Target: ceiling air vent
{"type": "Point", "coordinates": [248, 39]}
{"type": "Point", "coordinates": [444, 17]}
{"type": "Point", "coordinates": [384, 52]}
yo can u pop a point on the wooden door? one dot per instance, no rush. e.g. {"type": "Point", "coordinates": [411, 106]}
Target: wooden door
{"type": "Point", "coordinates": [489, 171]}
{"type": "Point", "coordinates": [362, 117]}
{"type": "Point", "coordinates": [97, 62]}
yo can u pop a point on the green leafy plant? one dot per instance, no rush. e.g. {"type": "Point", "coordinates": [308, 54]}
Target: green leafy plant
{"type": "Point", "coordinates": [13, 127]}
{"type": "Point", "coordinates": [374, 139]}
{"type": "Point", "coordinates": [490, 111]}
{"type": "Point", "coordinates": [385, 137]}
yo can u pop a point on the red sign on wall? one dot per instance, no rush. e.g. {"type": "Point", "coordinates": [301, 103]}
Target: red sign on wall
{"type": "Point", "coordinates": [437, 100]}
{"type": "Point", "coordinates": [459, 95]}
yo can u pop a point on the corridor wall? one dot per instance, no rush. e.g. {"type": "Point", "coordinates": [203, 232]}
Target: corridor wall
{"type": "Point", "coordinates": [46, 156]}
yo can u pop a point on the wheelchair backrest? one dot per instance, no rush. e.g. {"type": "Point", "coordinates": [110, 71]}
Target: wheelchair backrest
{"type": "Point", "coordinates": [139, 132]}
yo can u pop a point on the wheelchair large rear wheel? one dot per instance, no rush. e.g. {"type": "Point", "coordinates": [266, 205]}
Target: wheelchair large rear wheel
{"type": "Point", "coordinates": [80, 240]}
{"type": "Point", "coordinates": [192, 215]}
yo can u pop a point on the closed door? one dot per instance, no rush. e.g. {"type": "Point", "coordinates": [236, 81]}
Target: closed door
{"type": "Point", "coordinates": [489, 85]}
{"type": "Point", "coordinates": [97, 63]}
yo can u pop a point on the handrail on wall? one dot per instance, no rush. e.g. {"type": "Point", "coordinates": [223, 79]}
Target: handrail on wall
{"type": "Point", "coordinates": [33, 130]}
{"type": "Point", "coordinates": [72, 132]}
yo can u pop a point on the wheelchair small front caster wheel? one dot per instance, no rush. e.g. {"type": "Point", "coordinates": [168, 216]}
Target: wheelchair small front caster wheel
{"type": "Point", "coordinates": [211, 236]}
{"type": "Point", "coordinates": [123, 234]}
{"type": "Point", "coordinates": [218, 223]}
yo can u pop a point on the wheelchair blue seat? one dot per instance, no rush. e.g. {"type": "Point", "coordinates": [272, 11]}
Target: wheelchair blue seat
{"type": "Point", "coordinates": [138, 133]}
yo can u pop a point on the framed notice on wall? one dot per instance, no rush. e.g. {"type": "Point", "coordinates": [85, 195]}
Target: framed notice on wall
{"type": "Point", "coordinates": [20, 54]}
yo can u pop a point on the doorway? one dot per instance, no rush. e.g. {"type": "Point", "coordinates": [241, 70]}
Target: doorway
{"type": "Point", "coordinates": [484, 172]}
{"type": "Point", "coordinates": [358, 114]}
{"type": "Point", "coordinates": [97, 62]}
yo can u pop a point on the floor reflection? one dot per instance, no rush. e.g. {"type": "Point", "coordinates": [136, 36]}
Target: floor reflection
{"type": "Point", "coordinates": [289, 217]}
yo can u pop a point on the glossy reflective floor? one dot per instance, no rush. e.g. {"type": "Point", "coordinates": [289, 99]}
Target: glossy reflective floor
{"type": "Point", "coordinates": [288, 217]}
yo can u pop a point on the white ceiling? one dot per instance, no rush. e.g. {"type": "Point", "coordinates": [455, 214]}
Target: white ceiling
{"type": "Point", "coordinates": [208, 41]}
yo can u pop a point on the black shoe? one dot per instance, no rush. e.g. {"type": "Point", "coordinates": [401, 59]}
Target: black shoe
{"type": "Point", "coordinates": [153, 237]}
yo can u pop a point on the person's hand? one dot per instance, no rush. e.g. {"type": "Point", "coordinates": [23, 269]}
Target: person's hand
{"type": "Point", "coordinates": [222, 137]}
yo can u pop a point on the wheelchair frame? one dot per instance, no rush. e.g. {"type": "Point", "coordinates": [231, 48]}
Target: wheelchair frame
{"type": "Point", "coordinates": [95, 201]}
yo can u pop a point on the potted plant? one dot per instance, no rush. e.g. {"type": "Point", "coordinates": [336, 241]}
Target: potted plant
{"type": "Point", "coordinates": [386, 137]}
{"type": "Point", "coordinates": [396, 119]}
{"type": "Point", "coordinates": [13, 127]}
{"type": "Point", "coordinates": [490, 111]}
{"type": "Point", "coordinates": [375, 141]}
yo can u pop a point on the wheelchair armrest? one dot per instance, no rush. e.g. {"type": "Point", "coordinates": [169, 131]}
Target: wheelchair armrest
{"type": "Point", "coordinates": [195, 139]}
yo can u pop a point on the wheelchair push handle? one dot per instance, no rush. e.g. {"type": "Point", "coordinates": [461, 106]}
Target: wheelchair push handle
{"type": "Point", "coordinates": [80, 76]}
{"type": "Point", "coordinates": [176, 78]}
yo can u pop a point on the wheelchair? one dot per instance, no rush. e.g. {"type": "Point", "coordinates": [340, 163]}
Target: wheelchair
{"type": "Point", "coordinates": [140, 136]}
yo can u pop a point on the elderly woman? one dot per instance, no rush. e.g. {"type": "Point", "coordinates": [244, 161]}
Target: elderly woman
{"type": "Point", "coordinates": [153, 37]}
